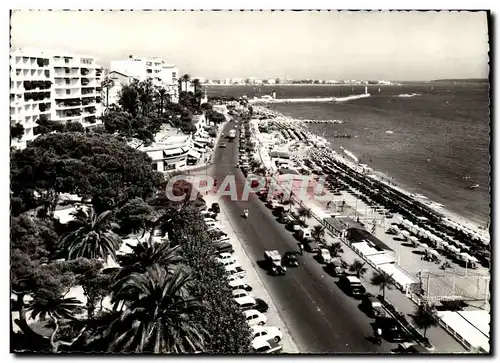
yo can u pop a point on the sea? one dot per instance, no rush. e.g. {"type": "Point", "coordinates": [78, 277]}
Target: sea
{"type": "Point", "coordinates": [431, 138]}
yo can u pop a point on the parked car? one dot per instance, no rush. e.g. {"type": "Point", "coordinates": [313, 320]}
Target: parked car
{"type": "Point", "coordinates": [237, 294]}
{"type": "Point", "coordinates": [260, 305]}
{"type": "Point", "coordinates": [224, 247]}
{"type": "Point", "coordinates": [410, 348]}
{"type": "Point", "coordinates": [267, 332]}
{"type": "Point", "coordinates": [215, 208]}
{"type": "Point", "coordinates": [254, 317]}
{"type": "Point", "coordinates": [261, 345]}
{"type": "Point", "coordinates": [289, 259]}
{"type": "Point", "coordinates": [245, 303]}
{"type": "Point", "coordinates": [293, 225]}
{"type": "Point", "coordinates": [311, 245]}
{"type": "Point", "coordinates": [391, 330]}
{"type": "Point", "coordinates": [304, 233]}
{"type": "Point", "coordinates": [239, 284]}
{"type": "Point", "coordinates": [227, 257]}
{"type": "Point", "coordinates": [235, 269]}
{"type": "Point", "coordinates": [324, 255]}
{"type": "Point", "coordinates": [352, 285]}
{"type": "Point", "coordinates": [373, 306]}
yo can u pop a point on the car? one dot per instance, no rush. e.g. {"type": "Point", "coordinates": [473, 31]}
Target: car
{"type": "Point", "coordinates": [223, 145]}
{"type": "Point", "coordinates": [410, 348]}
{"type": "Point", "coordinates": [324, 255]}
{"type": "Point", "coordinates": [267, 332]}
{"type": "Point", "coordinates": [235, 269]}
{"type": "Point", "coordinates": [239, 284]}
{"type": "Point", "coordinates": [237, 294]}
{"type": "Point", "coordinates": [260, 305]}
{"type": "Point", "coordinates": [224, 247]}
{"type": "Point", "coordinates": [227, 257]}
{"type": "Point", "coordinates": [311, 245]}
{"type": "Point", "coordinates": [245, 303]}
{"type": "Point", "coordinates": [254, 317]}
{"type": "Point", "coordinates": [215, 208]}
{"type": "Point", "coordinates": [290, 259]}
{"type": "Point", "coordinates": [352, 285]}
{"type": "Point", "coordinates": [391, 330]}
{"type": "Point", "coordinates": [373, 306]}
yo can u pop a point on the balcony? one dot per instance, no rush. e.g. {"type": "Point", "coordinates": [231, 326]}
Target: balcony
{"type": "Point", "coordinates": [84, 71]}
{"type": "Point", "coordinates": [89, 110]}
{"type": "Point", "coordinates": [37, 96]}
{"type": "Point", "coordinates": [88, 101]}
{"type": "Point", "coordinates": [90, 119]}
{"type": "Point", "coordinates": [70, 103]}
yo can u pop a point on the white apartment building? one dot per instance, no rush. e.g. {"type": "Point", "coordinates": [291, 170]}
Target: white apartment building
{"type": "Point", "coordinates": [162, 73]}
{"type": "Point", "coordinates": [63, 86]}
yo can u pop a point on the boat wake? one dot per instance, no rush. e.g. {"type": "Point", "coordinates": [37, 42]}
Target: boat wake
{"type": "Point", "coordinates": [408, 95]}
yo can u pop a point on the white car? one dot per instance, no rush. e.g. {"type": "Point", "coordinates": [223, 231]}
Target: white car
{"type": "Point", "coordinates": [225, 257]}
{"type": "Point", "coordinates": [235, 269]}
{"type": "Point", "coordinates": [324, 255]}
{"type": "Point", "coordinates": [246, 302]}
{"type": "Point", "coordinates": [228, 262]}
{"type": "Point", "coordinates": [267, 333]}
{"type": "Point", "coordinates": [232, 278]}
{"type": "Point", "coordinates": [239, 293]}
{"type": "Point", "coordinates": [253, 317]}
{"type": "Point", "coordinates": [239, 284]}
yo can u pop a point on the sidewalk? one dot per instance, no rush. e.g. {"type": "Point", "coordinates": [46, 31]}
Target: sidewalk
{"type": "Point", "coordinates": [252, 278]}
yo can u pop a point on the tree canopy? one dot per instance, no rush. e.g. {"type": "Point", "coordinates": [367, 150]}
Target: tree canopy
{"type": "Point", "coordinates": [103, 170]}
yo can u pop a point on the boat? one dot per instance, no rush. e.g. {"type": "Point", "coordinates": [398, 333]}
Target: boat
{"type": "Point", "coordinates": [474, 186]}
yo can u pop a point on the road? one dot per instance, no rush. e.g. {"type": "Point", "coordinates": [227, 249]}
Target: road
{"type": "Point", "coordinates": [320, 316]}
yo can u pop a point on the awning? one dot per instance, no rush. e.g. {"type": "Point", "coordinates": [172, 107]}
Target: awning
{"type": "Point", "coordinates": [169, 153]}
{"type": "Point", "coordinates": [194, 154]}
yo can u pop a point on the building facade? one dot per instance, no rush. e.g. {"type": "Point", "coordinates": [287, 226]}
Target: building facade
{"type": "Point", "coordinates": [62, 86]}
{"type": "Point", "coordinates": [158, 70]}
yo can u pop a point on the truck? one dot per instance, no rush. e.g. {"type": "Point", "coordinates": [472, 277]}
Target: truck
{"type": "Point", "coordinates": [231, 135]}
{"type": "Point", "coordinates": [273, 260]}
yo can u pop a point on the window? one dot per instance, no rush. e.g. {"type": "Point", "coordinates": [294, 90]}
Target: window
{"type": "Point", "coordinates": [47, 73]}
{"type": "Point", "coordinates": [68, 91]}
{"type": "Point", "coordinates": [67, 81]}
{"type": "Point", "coordinates": [149, 71]}
{"type": "Point", "coordinates": [174, 74]}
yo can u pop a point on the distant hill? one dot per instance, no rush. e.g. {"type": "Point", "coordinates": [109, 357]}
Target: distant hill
{"type": "Point", "coordinates": [467, 80]}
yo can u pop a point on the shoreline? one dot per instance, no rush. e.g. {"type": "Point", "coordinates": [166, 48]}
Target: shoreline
{"type": "Point", "coordinates": [463, 222]}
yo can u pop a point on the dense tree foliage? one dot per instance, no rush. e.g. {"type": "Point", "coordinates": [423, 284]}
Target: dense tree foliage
{"type": "Point", "coordinates": [97, 168]}
{"type": "Point", "coordinates": [222, 320]}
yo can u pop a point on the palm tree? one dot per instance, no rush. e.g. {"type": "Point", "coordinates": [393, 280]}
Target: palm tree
{"type": "Point", "coordinates": [186, 78]}
{"type": "Point", "coordinates": [158, 316]}
{"type": "Point", "coordinates": [106, 84]}
{"type": "Point", "coordinates": [335, 248]}
{"type": "Point", "coordinates": [91, 236]}
{"type": "Point", "coordinates": [161, 93]}
{"type": "Point", "coordinates": [358, 267]}
{"type": "Point", "coordinates": [58, 309]}
{"type": "Point", "coordinates": [196, 85]}
{"type": "Point", "coordinates": [318, 232]}
{"type": "Point", "coordinates": [383, 280]}
{"type": "Point", "coordinates": [304, 213]}
{"type": "Point", "coordinates": [147, 254]}
{"type": "Point", "coordinates": [424, 318]}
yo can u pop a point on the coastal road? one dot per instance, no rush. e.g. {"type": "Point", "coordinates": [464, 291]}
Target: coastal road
{"type": "Point", "coordinates": [320, 316]}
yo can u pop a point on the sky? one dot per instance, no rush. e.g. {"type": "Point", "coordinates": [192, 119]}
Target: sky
{"type": "Point", "coordinates": [407, 46]}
